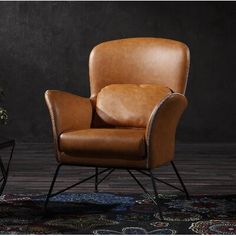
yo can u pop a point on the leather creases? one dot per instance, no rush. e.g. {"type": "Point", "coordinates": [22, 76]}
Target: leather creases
{"type": "Point", "coordinates": [129, 104]}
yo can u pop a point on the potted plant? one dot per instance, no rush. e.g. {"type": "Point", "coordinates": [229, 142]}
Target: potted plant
{"type": "Point", "coordinates": [3, 111]}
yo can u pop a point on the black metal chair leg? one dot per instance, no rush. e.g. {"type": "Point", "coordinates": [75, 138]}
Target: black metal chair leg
{"type": "Point", "coordinates": [155, 191]}
{"type": "Point", "coordinates": [4, 176]}
{"type": "Point", "coordinates": [6, 171]}
{"type": "Point", "coordinates": [3, 186]}
{"type": "Point", "coordinates": [51, 187]}
{"type": "Point", "coordinates": [180, 180]}
{"type": "Point", "coordinates": [96, 180]}
{"type": "Point", "coordinates": [156, 194]}
{"type": "Point", "coordinates": [8, 165]}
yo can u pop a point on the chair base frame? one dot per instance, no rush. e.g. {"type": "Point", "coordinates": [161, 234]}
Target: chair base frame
{"type": "Point", "coordinates": [5, 170]}
{"type": "Point", "coordinates": [147, 172]}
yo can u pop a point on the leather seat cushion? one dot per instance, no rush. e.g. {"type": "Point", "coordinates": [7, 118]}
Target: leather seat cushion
{"type": "Point", "coordinates": [124, 143]}
{"type": "Point", "coordinates": [129, 104]}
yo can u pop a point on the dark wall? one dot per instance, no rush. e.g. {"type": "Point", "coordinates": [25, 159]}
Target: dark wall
{"type": "Point", "coordinates": [45, 45]}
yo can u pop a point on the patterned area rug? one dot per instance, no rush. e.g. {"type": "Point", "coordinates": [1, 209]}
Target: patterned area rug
{"type": "Point", "coordinates": [106, 213]}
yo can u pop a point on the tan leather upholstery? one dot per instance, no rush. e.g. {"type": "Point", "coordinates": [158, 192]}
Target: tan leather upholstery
{"type": "Point", "coordinates": [103, 161]}
{"type": "Point", "coordinates": [137, 61]}
{"type": "Point", "coordinates": [68, 112]}
{"type": "Point", "coordinates": [160, 132]}
{"type": "Point", "coordinates": [123, 143]}
{"type": "Point", "coordinates": [129, 104]}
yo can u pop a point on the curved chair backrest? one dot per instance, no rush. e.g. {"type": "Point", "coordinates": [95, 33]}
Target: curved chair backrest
{"type": "Point", "coordinates": [139, 61]}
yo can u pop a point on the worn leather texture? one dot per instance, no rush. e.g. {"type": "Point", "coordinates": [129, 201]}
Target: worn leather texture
{"type": "Point", "coordinates": [129, 104]}
{"type": "Point", "coordinates": [139, 61]}
{"type": "Point", "coordinates": [155, 61]}
{"type": "Point", "coordinates": [161, 128]}
{"type": "Point", "coordinates": [125, 143]}
{"type": "Point", "coordinates": [68, 112]}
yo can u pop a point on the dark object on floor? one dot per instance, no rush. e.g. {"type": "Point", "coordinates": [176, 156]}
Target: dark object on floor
{"type": "Point", "coordinates": [106, 213]}
{"type": "Point", "coordinates": [5, 143]}
{"type": "Point", "coordinates": [137, 99]}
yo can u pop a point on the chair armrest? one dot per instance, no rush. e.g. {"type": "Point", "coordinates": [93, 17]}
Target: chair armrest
{"type": "Point", "coordinates": [161, 129]}
{"type": "Point", "coordinates": [68, 112]}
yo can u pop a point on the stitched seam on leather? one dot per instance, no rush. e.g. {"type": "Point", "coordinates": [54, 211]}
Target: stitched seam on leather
{"type": "Point", "coordinates": [151, 122]}
{"type": "Point", "coordinates": [187, 69]}
{"type": "Point", "coordinates": [55, 139]}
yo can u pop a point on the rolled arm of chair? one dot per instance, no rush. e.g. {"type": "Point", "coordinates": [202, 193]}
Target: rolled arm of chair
{"type": "Point", "coordinates": [68, 112]}
{"type": "Point", "coordinates": [161, 129]}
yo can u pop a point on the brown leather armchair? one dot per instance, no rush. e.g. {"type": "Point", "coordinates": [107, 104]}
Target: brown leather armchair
{"type": "Point", "coordinates": [137, 98]}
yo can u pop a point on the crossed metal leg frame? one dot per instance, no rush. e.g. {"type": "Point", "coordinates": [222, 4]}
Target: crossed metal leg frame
{"type": "Point", "coordinates": [5, 170]}
{"type": "Point", "coordinates": [108, 171]}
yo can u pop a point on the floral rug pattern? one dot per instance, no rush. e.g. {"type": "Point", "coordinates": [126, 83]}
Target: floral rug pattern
{"type": "Point", "coordinates": [107, 213]}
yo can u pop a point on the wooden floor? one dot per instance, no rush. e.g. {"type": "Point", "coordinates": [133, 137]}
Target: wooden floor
{"type": "Point", "coordinates": [205, 169]}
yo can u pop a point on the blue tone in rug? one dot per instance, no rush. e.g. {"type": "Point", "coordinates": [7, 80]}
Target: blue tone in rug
{"type": "Point", "coordinates": [106, 213]}
{"type": "Point", "coordinates": [120, 202]}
